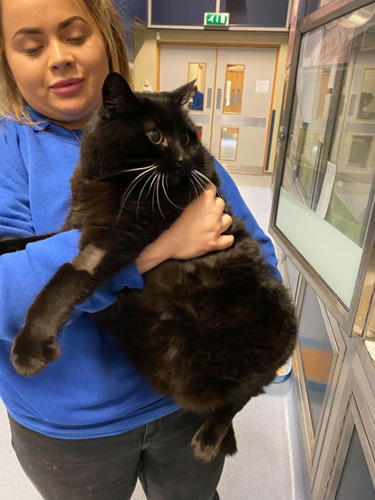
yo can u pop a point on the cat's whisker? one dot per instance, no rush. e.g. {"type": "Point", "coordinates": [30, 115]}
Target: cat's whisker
{"type": "Point", "coordinates": [128, 191]}
{"type": "Point", "coordinates": [139, 168]}
{"type": "Point", "coordinates": [152, 188]}
{"type": "Point", "coordinates": [217, 189]}
{"type": "Point", "coordinates": [113, 174]}
{"type": "Point", "coordinates": [141, 192]}
{"type": "Point", "coordinates": [157, 196]}
{"type": "Point", "coordinates": [133, 183]}
{"type": "Point", "coordinates": [154, 177]}
{"type": "Point", "coordinates": [195, 189]}
{"type": "Point", "coordinates": [209, 181]}
{"type": "Point", "coordinates": [198, 181]}
{"type": "Point", "coordinates": [166, 194]}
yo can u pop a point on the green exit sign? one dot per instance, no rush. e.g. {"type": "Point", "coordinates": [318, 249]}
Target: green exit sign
{"type": "Point", "coordinates": [216, 19]}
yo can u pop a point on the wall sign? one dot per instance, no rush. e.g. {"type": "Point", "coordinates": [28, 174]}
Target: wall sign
{"type": "Point", "coordinates": [216, 19]}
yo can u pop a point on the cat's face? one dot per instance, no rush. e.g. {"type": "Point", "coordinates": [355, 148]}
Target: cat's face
{"type": "Point", "coordinates": [147, 135]}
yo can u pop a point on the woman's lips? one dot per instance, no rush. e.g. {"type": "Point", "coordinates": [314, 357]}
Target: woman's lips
{"type": "Point", "coordinates": [63, 88]}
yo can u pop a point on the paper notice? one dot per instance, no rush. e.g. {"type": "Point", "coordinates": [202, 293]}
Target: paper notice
{"type": "Point", "coordinates": [262, 86]}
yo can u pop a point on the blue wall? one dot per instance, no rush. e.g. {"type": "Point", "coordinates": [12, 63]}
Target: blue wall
{"type": "Point", "coordinates": [181, 12]}
{"type": "Point", "coordinates": [141, 9]}
{"type": "Point", "coordinates": [260, 13]}
{"type": "Point", "coordinates": [253, 13]}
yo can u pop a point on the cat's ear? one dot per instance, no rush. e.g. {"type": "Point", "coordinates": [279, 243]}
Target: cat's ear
{"type": "Point", "coordinates": [118, 97]}
{"type": "Point", "coordinates": [182, 94]}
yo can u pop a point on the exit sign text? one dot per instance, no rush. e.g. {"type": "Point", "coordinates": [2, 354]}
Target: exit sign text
{"type": "Point", "coordinates": [216, 19]}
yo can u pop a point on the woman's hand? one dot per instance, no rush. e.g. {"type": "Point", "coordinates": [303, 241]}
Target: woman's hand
{"type": "Point", "coordinates": [199, 228]}
{"type": "Point", "coordinates": [196, 232]}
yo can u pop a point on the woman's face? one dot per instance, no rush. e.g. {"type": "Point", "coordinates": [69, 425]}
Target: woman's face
{"type": "Point", "coordinates": [57, 57]}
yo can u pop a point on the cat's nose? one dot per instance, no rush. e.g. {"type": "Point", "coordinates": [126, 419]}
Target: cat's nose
{"type": "Point", "coordinates": [178, 154]}
{"type": "Point", "coordinates": [184, 166]}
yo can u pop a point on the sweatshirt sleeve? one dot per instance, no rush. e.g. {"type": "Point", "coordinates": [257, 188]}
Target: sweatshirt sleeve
{"type": "Point", "coordinates": [241, 210]}
{"type": "Point", "coordinates": [23, 274]}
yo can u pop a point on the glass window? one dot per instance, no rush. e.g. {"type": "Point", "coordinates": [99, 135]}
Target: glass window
{"type": "Point", "coordinates": [355, 481]}
{"type": "Point", "coordinates": [197, 71]}
{"type": "Point", "coordinates": [228, 143]}
{"type": "Point", "coordinates": [366, 101]}
{"type": "Point", "coordinates": [324, 2]}
{"type": "Point", "coordinates": [360, 151]}
{"type": "Point", "coordinates": [199, 131]}
{"type": "Point", "coordinates": [233, 88]}
{"type": "Point", "coordinates": [316, 352]}
{"type": "Point", "coordinates": [327, 186]}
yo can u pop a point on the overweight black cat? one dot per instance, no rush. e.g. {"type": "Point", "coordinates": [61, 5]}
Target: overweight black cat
{"type": "Point", "coordinates": [209, 332]}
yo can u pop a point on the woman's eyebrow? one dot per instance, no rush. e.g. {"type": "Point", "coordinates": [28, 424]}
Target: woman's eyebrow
{"type": "Point", "coordinates": [61, 26]}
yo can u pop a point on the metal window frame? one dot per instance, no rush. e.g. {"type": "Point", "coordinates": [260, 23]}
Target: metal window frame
{"type": "Point", "coordinates": [313, 438]}
{"type": "Point", "coordinates": [353, 412]}
{"type": "Point", "coordinates": [353, 320]}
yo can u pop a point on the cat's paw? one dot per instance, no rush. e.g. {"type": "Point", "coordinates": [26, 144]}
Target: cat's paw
{"type": "Point", "coordinates": [204, 449]}
{"type": "Point", "coordinates": [30, 356]}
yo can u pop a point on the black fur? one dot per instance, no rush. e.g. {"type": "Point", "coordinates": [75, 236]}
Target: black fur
{"type": "Point", "coordinates": [210, 332]}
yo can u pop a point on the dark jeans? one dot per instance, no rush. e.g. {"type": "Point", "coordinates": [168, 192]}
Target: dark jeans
{"type": "Point", "coordinates": [107, 468]}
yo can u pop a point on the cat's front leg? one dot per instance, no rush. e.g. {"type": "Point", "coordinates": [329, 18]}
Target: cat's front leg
{"type": "Point", "coordinates": [8, 245]}
{"type": "Point", "coordinates": [36, 344]}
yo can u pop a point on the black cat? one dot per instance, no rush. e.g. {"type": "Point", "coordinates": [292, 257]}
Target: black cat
{"type": "Point", "coordinates": [211, 331]}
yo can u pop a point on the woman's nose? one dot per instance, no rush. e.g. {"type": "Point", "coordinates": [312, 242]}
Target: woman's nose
{"type": "Point", "coordinates": [60, 55]}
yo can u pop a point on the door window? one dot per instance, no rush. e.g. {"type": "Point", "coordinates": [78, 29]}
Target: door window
{"type": "Point", "coordinates": [228, 143]}
{"type": "Point", "coordinates": [197, 71]}
{"type": "Point", "coordinates": [233, 88]}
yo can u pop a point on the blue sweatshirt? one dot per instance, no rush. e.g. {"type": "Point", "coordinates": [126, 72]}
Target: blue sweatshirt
{"type": "Point", "coordinates": [93, 389]}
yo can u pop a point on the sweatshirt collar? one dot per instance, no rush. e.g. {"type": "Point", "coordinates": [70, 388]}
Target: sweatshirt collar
{"type": "Point", "coordinates": [45, 122]}
{"type": "Point", "coordinates": [47, 125]}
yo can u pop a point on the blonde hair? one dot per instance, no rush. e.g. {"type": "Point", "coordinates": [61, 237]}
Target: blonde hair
{"type": "Point", "coordinates": [106, 19]}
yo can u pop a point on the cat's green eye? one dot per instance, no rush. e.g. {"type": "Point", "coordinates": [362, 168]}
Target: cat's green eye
{"type": "Point", "coordinates": [155, 136]}
{"type": "Point", "coordinates": [185, 139]}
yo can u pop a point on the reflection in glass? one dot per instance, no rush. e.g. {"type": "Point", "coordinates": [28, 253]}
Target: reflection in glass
{"type": "Point", "coordinates": [325, 74]}
{"type": "Point", "coordinates": [228, 143]}
{"type": "Point", "coordinates": [366, 107]}
{"type": "Point", "coordinates": [329, 168]}
{"type": "Point", "coordinates": [197, 71]}
{"type": "Point", "coordinates": [360, 150]}
{"type": "Point", "coordinates": [233, 88]}
{"type": "Point", "coordinates": [316, 351]}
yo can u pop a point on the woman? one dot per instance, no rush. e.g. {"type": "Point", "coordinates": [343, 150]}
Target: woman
{"type": "Point", "coordinates": [88, 425]}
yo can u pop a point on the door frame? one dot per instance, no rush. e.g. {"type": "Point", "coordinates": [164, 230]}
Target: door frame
{"type": "Point", "coordinates": [271, 120]}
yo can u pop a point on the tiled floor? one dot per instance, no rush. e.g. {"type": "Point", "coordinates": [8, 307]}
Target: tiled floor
{"type": "Point", "coordinates": [270, 463]}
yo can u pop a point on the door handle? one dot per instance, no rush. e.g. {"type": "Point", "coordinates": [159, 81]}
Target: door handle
{"type": "Point", "coordinates": [218, 98]}
{"type": "Point", "coordinates": [209, 99]}
{"type": "Point", "coordinates": [238, 97]}
{"type": "Point", "coordinates": [232, 98]}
